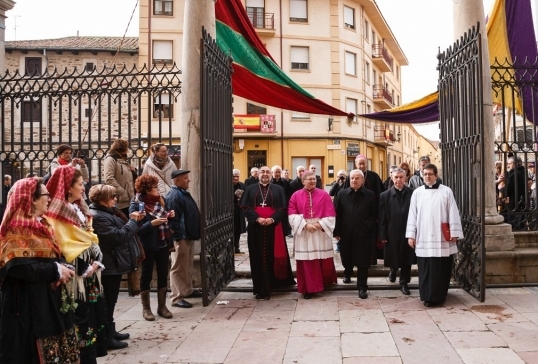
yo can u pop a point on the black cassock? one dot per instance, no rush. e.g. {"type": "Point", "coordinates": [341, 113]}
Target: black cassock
{"type": "Point", "coordinates": [393, 211]}
{"type": "Point", "coordinates": [286, 186]}
{"type": "Point", "coordinates": [356, 221]}
{"type": "Point", "coordinates": [261, 239]}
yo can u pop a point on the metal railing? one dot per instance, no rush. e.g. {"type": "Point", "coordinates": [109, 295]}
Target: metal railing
{"type": "Point", "coordinates": [260, 19]}
{"type": "Point", "coordinates": [379, 51]}
{"type": "Point", "coordinates": [380, 92]}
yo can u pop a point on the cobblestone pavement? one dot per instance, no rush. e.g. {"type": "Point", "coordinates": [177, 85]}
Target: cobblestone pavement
{"type": "Point", "coordinates": [335, 327]}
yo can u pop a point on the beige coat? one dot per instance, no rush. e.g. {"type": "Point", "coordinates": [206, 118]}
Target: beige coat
{"type": "Point", "coordinates": [117, 173]}
{"type": "Point", "coordinates": [163, 175]}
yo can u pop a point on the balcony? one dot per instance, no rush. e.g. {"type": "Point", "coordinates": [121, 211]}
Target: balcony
{"type": "Point", "coordinates": [383, 135]}
{"type": "Point", "coordinates": [382, 97]}
{"type": "Point", "coordinates": [263, 22]}
{"type": "Point", "coordinates": [381, 58]}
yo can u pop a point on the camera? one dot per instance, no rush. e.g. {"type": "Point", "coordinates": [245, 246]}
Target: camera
{"type": "Point", "coordinates": [341, 178]}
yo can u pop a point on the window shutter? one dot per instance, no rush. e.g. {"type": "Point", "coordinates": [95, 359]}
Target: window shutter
{"type": "Point", "coordinates": [162, 50]}
{"type": "Point", "coordinates": [255, 3]}
{"type": "Point", "coordinates": [298, 9]}
{"type": "Point", "coordinates": [350, 64]}
{"type": "Point", "coordinates": [349, 17]}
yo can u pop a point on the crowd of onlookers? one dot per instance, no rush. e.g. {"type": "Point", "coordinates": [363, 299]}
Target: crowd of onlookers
{"type": "Point", "coordinates": [65, 247]}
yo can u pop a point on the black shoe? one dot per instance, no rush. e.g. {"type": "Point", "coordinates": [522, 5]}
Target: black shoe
{"type": "Point", "coordinates": [182, 304]}
{"type": "Point", "coordinates": [307, 296]}
{"type": "Point", "coordinates": [118, 335]}
{"type": "Point", "coordinates": [405, 290]}
{"type": "Point", "coordinates": [432, 304]}
{"type": "Point", "coordinates": [363, 294]}
{"type": "Point", "coordinates": [260, 296]}
{"type": "Point", "coordinates": [392, 275]}
{"type": "Point", "coordinates": [113, 344]}
{"type": "Point", "coordinates": [238, 251]}
{"type": "Point", "coordinates": [195, 294]}
{"type": "Point", "coordinates": [346, 280]}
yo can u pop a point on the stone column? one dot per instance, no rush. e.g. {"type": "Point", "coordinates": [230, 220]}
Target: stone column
{"type": "Point", "coordinates": [5, 5]}
{"type": "Point", "coordinates": [197, 13]}
{"type": "Point", "coordinates": [499, 236]}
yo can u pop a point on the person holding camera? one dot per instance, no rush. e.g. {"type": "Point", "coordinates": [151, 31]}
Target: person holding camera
{"type": "Point", "coordinates": [339, 184]}
{"type": "Point", "coordinates": [64, 157]}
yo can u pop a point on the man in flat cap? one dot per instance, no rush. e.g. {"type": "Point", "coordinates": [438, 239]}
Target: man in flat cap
{"type": "Point", "coordinates": [185, 227]}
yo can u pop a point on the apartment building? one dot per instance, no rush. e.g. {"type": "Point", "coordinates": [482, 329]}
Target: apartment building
{"type": "Point", "coordinates": [341, 51]}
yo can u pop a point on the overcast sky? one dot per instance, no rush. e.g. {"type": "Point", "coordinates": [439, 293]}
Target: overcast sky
{"type": "Point", "coordinates": [420, 26]}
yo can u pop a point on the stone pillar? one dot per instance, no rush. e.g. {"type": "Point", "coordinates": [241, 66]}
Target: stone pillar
{"type": "Point", "coordinates": [5, 5]}
{"type": "Point", "coordinates": [197, 13]}
{"type": "Point", "coordinates": [499, 236]}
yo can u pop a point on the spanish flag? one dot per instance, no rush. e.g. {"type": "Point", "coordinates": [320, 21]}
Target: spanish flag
{"type": "Point", "coordinates": [256, 75]}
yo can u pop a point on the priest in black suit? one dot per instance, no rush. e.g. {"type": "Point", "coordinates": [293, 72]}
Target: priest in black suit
{"type": "Point", "coordinates": [265, 207]}
{"type": "Point", "coordinates": [393, 210]}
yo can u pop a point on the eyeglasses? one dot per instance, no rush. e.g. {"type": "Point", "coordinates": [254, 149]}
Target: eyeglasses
{"type": "Point", "coordinates": [428, 174]}
{"type": "Point", "coordinates": [154, 187]}
{"type": "Point", "coordinates": [44, 194]}
{"type": "Point", "coordinates": [115, 195]}
{"type": "Point", "coordinates": [265, 172]}
{"type": "Point", "coordinates": [309, 179]}
{"type": "Point", "coordinates": [312, 167]}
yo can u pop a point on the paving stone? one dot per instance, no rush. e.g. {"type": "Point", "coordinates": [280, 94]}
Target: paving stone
{"type": "Point", "coordinates": [362, 321]}
{"type": "Point", "coordinates": [313, 350]}
{"type": "Point", "coordinates": [475, 339]}
{"type": "Point", "coordinates": [142, 351]}
{"type": "Point", "coordinates": [459, 320]}
{"type": "Point", "coordinates": [315, 328]}
{"type": "Point", "coordinates": [408, 317]}
{"type": "Point", "coordinates": [520, 336]}
{"type": "Point", "coordinates": [423, 343]}
{"type": "Point", "coordinates": [258, 347]}
{"type": "Point", "coordinates": [400, 303]}
{"type": "Point", "coordinates": [522, 302]}
{"type": "Point", "coordinates": [368, 344]}
{"type": "Point", "coordinates": [489, 356]}
{"type": "Point", "coordinates": [218, 331]}
{"type": "Point", "coordinates": [274, 320]}
{"type": "Point", "coordinates": [317, 308]}
{"type": "Point", "coordinates": [373, 360]}
{"type": "Point", "coordinates": [528, 356]}
{"type": "Point", "coordinates": [355, 303]}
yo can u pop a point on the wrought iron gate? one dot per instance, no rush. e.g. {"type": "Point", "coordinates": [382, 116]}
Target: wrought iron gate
{"type": "Point", "coordinates": [216, 128]}
{"type": "Point", "coordinates": [462, 146]}
{"type": "Point", "coordinates": [86, 110]}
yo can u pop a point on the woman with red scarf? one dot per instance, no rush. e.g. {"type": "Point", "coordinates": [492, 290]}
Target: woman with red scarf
{"type": "Point", "coordinates": [160, 166]}
{"type": "Point", "coordinates": [70, 217]}
{"type": "Point", "coordinates": [154, 232]}
{"type": "Point", "coordinates": [64, 157]}
{"type": "Point", "coordinates": [36, 324]}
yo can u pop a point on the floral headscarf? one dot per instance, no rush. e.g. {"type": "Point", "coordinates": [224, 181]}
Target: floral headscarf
{"type": "Point", "coordinates": [22, 235]}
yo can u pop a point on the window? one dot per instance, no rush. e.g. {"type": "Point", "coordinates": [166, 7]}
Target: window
{"type": "Point", "coordinates": [163, 7]}
{"type": "Point", "coordinates": [298, 10]}
{"type": "Point", "coordinates": [256, 12]}
{"type": "Point", "coordinates": [374, 75]}
{"type": "Point", "coordinates": [163, 106]}
{"type": "Point", "coordinates": [373, 37]}
{"type": "Point", "coordinates": [349, 17]}
{"type": "Point", "coordinates": [299, 58]}
{"type": "Point", "coordinates": [398, 100]}
{"type": "Point", "coordinates": [299, 115]}
{"type": "Point", "coordinates": [397, 73]}
{"type": "Point", "coordinates": [368, 109]}
{"type": "Point", "coordinates": [31, 111]}
{"type": "Point", "coordinates": [162, 51]}
{"type": "Point", "coordinates": [366, 29]}
{"type": "Point", "coordinates": [255, 109]}
{"type": "Point", "coordinates": [32, 66]}
{"type": "Point", "coordinates": [89, 67]}
{"type": "Point", "coordinates": [351, 63]}
{"type": "Point", "coordinates": [351, 106]}
{"type": "Point", "coordinates": [367, 72]}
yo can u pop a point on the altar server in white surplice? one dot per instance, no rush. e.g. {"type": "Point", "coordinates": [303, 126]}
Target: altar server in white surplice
{"type": "Point", "coordinates": [433, 209]}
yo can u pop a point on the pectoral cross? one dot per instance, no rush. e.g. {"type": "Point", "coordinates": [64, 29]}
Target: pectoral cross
{"type": "Point", "coordinates": [263, 204]}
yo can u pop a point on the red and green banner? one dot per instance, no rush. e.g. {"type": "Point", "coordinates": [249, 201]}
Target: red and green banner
{"type": "Point", "coordinates": [256, 75]}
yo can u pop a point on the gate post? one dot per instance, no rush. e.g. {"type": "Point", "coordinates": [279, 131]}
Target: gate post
{"type": "Point", "coordinates": [198, 14]}
{"type": "Point", "coordinates": [498, 235]}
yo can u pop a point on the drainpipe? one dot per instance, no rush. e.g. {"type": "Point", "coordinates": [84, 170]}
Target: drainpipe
{"type": "Point", "coordinates": [149, 35]}
{"type": "Point", "coordinates": [281, 112]}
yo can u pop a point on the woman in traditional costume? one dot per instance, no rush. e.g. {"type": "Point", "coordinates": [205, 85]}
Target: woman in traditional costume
{"type": "Point", "coordinates": [36, 323]}
{"type": "Point", "coordinates": [69, 216]}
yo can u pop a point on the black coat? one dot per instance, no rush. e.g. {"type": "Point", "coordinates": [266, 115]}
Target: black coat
{"type": "Point", "coordinates": [117, 240]}
{"type": "Point", "coordinates": [295, 185]}
{"type": "Point", "coordinates": [240, 223]}
{"type": "Point", "coordinates": [515, 180]}
{"type": "Point", "coordinates": [372, 181]}
{"type": "Point", "coordinates": [356, 222]}
{"type": "Point", "coordinates": [285, 185]}
{"type": "Point", "coordinates": [251, 180]}
{"type": "Point", "coordinates": [393, 211]}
